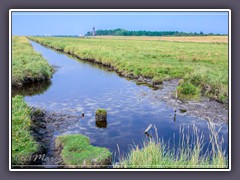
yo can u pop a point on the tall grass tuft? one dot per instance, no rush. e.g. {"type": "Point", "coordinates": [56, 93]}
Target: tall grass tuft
{"type": "Point", "coordinates": [23, 143]}
{"type": "Point", "coordinates": [155, 153]}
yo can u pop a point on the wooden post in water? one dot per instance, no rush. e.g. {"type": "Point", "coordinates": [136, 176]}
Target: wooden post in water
{"type": "Point", "coordinates": [176, 96]}
{"type": "Point", "coordinates": [148, 128]}
{"type": "Point", "coordinates": [146, 131]}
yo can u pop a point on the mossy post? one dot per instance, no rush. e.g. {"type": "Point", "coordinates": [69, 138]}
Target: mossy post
{"type": "Point", "coordinates": [101, 115]}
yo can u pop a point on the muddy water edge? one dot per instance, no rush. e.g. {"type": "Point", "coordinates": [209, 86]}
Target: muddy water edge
{"type": "Point", "coordinates": [82, 86]}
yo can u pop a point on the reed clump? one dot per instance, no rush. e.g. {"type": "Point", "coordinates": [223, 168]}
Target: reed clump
{"type": "Point", "coordinates": [155, 153]}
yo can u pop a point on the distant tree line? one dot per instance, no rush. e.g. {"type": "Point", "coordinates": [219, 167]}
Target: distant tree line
{"type": "Point", "coordinates": [123, 32]}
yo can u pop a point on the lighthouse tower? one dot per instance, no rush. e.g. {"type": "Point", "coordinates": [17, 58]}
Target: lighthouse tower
{"type": "Point", "coordinates": [93, 31]}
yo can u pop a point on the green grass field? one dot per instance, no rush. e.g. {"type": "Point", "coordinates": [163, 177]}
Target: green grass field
{"type": "Point", "coordinates": [23, 144]}
{"type": "Point", "coordinates": [27, 65]}
{"type": "Point", "coordinates": [203, 67]}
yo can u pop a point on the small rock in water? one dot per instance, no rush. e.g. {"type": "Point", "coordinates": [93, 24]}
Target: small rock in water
{"type": "Point", "coordinates": [182, 110]}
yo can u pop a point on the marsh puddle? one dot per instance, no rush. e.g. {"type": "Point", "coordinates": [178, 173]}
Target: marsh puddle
{"type": "Point", "coordinates": [79, 86]}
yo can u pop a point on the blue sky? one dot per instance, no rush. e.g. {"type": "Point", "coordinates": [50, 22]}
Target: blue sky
{"type": "Point", "coordinates": [78, 23]}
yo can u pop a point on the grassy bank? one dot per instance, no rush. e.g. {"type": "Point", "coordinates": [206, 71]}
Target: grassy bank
{"type": "Point", "coordinates": [203, 67]}
{"type": "Point", "coordinates": [27, 65]}
{"type": "Point", "coordinates": [76, 151]}
{"type": "Point", "coordinates": [156, 154]}
{"type": "Point", "coordinates": [23, 144]}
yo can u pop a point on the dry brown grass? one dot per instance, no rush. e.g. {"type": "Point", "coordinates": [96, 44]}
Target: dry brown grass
{"type": "Point", "coordinates": [202, 39]}
{"type": "Point", "coordinates": [207, 39]}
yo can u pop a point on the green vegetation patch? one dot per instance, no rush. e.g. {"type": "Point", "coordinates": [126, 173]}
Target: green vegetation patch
{"type": "Point", "coordinates": [157, 80]}
{"type": "Point", "coordinates": [101, 112]}
{"type": "Point", "coordinates": [153, 155]}
{"type": "Point", "coordinates": [212, 83]}
{"type": "Point", "coordinates": [201, 64]}
{"type": "Point", "coordinates": [23, 144]}
{"type": "Point", "coordinates": [187, 90]}
{"type": "Point", "coordinates": [77, 151]}
{"type": "Point", "coordinates": [27, 65]}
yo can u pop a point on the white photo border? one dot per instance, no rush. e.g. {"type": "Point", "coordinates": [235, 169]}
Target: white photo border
{"type": "Point", "coordinates": [121, 10]}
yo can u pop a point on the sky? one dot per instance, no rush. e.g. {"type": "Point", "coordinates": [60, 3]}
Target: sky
{"type": "Point", "coordinates": [78, 23]}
